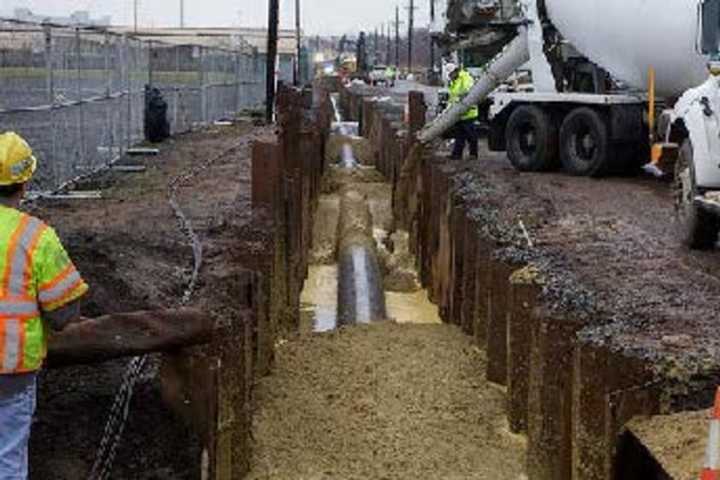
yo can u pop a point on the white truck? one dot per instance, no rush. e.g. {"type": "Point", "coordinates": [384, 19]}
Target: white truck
{"type": "Point", "coordinates": [612, 81]}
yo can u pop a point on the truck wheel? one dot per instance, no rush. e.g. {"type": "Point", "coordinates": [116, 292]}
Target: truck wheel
{"type": "Point", "coordinates": [531, 140]}
{"type": "Point", "coordinates": [697, 228]}
{"type": "Point", "coordinates": [584, 143]}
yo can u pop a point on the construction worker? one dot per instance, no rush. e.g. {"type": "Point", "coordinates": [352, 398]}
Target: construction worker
{"type": "Point", "coordinates": [40, 290]}
{"type": "Point", "coordinates": [465, 131]}
{"type": "Point", "coordinates": [390, 75]}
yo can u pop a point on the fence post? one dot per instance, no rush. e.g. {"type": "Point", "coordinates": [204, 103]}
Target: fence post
{"type": "Point", "coordinates": [238, 80]}
{"type": "Point", "coordinates": [50, 85]}
{"type": "Point", "coordinates": [203, 87]}
{"type": "Point", "coordinates": [108, 102]}
{"type": "Point", "coordinates": [81, 109]}
{"type": "Point", "coordinates": [125, 66]}
{"type": "Point", "coordinates": [150, 64]}
{"type": "Point", "coordinates": [50, 78]}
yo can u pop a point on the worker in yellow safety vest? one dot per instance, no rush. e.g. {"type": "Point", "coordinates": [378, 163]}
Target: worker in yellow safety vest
{"type": "Point", "coordinates": [466, 130]}
{"type": "Point", "coordinates": [390, 76]}
{"type": "Point", "coordinates": [40, 290]}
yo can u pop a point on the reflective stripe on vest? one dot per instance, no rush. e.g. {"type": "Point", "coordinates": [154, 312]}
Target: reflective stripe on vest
{"type": "Point", "coordinates": [68, 279]}
{"type": "Point", "coordinates": [19, 311]}
{"type": "Point", "coordinates": [22, 309]}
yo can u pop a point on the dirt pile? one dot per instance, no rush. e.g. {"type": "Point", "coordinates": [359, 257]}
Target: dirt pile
{"type": "Point", "coordinates": [607, 251]}
{"type": "Point", "coordinates": [133, 254]}
{"type": "Point", "coordinates": [383, 401]}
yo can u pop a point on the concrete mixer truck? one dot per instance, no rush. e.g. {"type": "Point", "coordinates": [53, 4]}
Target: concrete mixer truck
{"type": "Point", "coordinates": [614, 83]}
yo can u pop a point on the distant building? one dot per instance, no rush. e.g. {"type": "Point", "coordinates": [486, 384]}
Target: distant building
{"type": "Point", "coordinates": [76, 19]}
{"type": "Point", "coordinates": [254, 39]}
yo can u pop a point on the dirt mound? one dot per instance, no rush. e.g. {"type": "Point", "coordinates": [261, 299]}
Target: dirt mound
{"type": "Point", "coordinates": [132, 252]}
{"type": "Point", "coordinates": [608, 253]}
{"type": "Point", "coordinates": [383, 402]}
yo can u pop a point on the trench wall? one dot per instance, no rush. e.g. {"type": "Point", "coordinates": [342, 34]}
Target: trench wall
{"type": "Point", "coordinates": [212, 388]}
{"type": "Point", "coordinates": [571, 400]}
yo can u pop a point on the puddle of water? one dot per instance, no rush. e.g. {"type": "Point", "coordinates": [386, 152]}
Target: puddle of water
{"type": "Point", "coordinates": [318, 302]}
{"type": "Point", "coordinates": [412, 308]}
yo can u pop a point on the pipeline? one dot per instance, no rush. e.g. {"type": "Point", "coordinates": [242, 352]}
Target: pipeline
{"type": "Point", "coordinates": [347, 157]}
{"type": "Point", "coordinates": [361, 297]}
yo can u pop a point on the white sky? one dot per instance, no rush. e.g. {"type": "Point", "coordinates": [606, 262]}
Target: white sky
{"type": "Point", "coordinates": [320, 16]}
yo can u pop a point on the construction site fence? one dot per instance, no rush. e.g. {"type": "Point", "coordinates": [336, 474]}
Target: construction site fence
{"type": "Point", "coordinates": [78, 94]}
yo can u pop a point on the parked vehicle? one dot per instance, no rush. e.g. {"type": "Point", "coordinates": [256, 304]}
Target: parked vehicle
{"type": "Point", "coordinates": [597, 68]}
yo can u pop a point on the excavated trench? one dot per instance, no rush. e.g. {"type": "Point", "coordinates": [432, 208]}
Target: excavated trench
{"type": "Point", "coordinates": [359, 272]}
{"type": "Point", "coordinates": [375, 385]}
{"type": "Point", "coordinates": [589, 315]}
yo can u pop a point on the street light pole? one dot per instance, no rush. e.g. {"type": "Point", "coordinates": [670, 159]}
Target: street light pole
{"type": "Point", "coordinates": [411, 31]}
{"type": "Point", "coordinates": [182, 13]}
{"type": "Point", "coordinates": [298, 39]}
{"type": "Point", "coordinates": [273, 19]}
{"type": "Point", "coordinates": [432, 39]}
{"type": "Point", "coordinates": [135, 14]}
{"type": "Point", "coordinates": [397, 37]}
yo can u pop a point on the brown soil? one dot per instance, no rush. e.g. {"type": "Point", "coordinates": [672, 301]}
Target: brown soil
{"type": "Point", "coordinates": [132, 252]}
{"type": "Point", "coordinates": [677, 442]}
{"type": "Point", "coordinates": [384, 401]}
{"type": "Point", "coordinates": [608, 252]}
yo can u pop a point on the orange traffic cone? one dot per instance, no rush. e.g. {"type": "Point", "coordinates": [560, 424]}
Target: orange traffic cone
{"type": "Point", "coordinates": [712, 455]}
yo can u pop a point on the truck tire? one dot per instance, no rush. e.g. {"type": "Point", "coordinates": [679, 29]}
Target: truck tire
{"type": "Point", "coordinates": [584, 143]}
{"type": "Point", "coordinates": [696, 228]}
{"type": "Point", "coordinates": [531, 140]}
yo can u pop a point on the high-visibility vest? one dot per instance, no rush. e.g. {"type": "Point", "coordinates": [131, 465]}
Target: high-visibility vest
{"type": "Point", "coordinates": [460, 87]}
{"type": "Point", "coordinates": [37, 276]}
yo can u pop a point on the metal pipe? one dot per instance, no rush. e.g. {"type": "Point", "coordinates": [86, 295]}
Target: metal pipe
{"type": "Point", "coordinates": [514, 56]}
{"type": "Point", "coordinates": [361, 296]}
{"type": "Point", "coordinates": [651, 103]}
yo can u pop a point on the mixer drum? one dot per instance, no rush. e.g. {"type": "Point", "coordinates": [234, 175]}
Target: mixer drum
{"type": "Point", "coordinates": [627, 37]}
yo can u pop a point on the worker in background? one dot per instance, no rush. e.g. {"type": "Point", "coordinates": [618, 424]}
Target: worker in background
{"type": "Point", "coordinates": [466, 130]}
{"type": "Point", "coordinates": [390, 75]}
{"type": "Point", "coordinates": [40, 290]}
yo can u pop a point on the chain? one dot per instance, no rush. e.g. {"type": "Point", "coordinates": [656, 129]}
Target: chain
{"type": "Point", "coordinates": [120, 410]}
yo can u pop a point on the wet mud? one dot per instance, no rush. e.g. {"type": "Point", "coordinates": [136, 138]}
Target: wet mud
{"type": "Point", "coordinates": [383, 401]}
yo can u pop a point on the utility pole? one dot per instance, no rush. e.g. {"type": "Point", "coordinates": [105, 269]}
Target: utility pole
{"type": "Point", "coordinates": [411, 32]}
{"type": "Point", "coordinates": [376, 50]}
{"type": "Point", "coordinates": [397, 37]}
{"type": "Point", "coordinates": [432, 40]}
{"type": "Point", "coordinates": [296, 79]}
{"type": "Point", "coordinates": [135, 14]}
{"type": "Point", "coordinates": [273, 20]}
{"type": "Point", "coordinates": [182, 13]}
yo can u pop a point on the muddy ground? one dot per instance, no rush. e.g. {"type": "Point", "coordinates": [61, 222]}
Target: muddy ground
{"type": "Point", "coordinates": [610, 255]}
{"type": "Point", "coordinates": [677, 442]}
{"type": "Point", "coordinates": [385, 401]}
{"type": "Point", "coordinates": [132, 252]}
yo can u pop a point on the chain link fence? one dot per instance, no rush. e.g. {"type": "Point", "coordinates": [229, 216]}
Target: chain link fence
{"type": "Point", "coordinates": [78, 95]}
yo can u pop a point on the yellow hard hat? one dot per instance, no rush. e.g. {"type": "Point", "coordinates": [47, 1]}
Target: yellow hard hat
{"type": "Point", "coordinates": [17, 163]}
